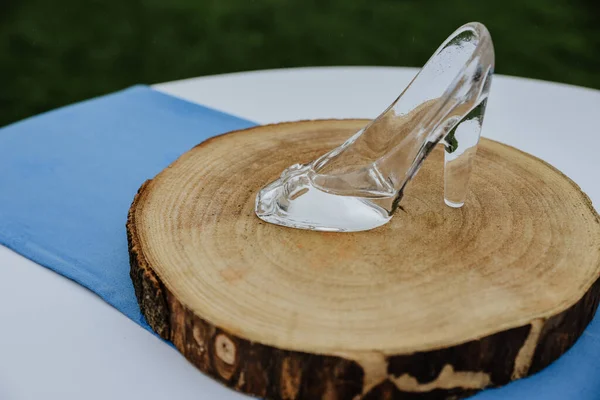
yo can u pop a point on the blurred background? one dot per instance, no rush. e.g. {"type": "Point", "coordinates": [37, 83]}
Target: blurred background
{"type": "Point", "coordinates": [53, 53]}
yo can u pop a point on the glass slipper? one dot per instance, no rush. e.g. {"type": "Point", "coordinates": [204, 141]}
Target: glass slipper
{"type": "Point", "coordinates": [359, 185]}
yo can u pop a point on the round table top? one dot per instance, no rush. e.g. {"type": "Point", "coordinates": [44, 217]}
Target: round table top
{"type": "Point", "coordinates": [71, 345]}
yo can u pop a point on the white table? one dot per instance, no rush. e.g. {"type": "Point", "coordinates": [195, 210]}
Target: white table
{"type": "Point", "coordinates": [60, 341]}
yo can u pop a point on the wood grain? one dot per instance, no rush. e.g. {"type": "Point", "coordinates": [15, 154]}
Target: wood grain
{"type": "Point", "coordinates": [437, 304]}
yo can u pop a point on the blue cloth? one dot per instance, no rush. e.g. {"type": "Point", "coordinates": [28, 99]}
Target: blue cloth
{"type": "Point", "coordinates": [67, 179]}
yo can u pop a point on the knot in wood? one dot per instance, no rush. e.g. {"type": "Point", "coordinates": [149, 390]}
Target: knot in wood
{"type": "Point", "coordinates": [225, 349]}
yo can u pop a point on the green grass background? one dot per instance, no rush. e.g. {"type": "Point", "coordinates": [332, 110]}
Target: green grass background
{"type": "Point", "coordinates": [54, 53]}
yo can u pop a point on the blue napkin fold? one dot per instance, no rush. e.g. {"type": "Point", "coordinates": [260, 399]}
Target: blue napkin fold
{"type": "Point", "coordinates": [67, 179]}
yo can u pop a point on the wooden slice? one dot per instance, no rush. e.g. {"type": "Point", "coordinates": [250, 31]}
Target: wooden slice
{"type": "Point", "coordinates": [437, 304]}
